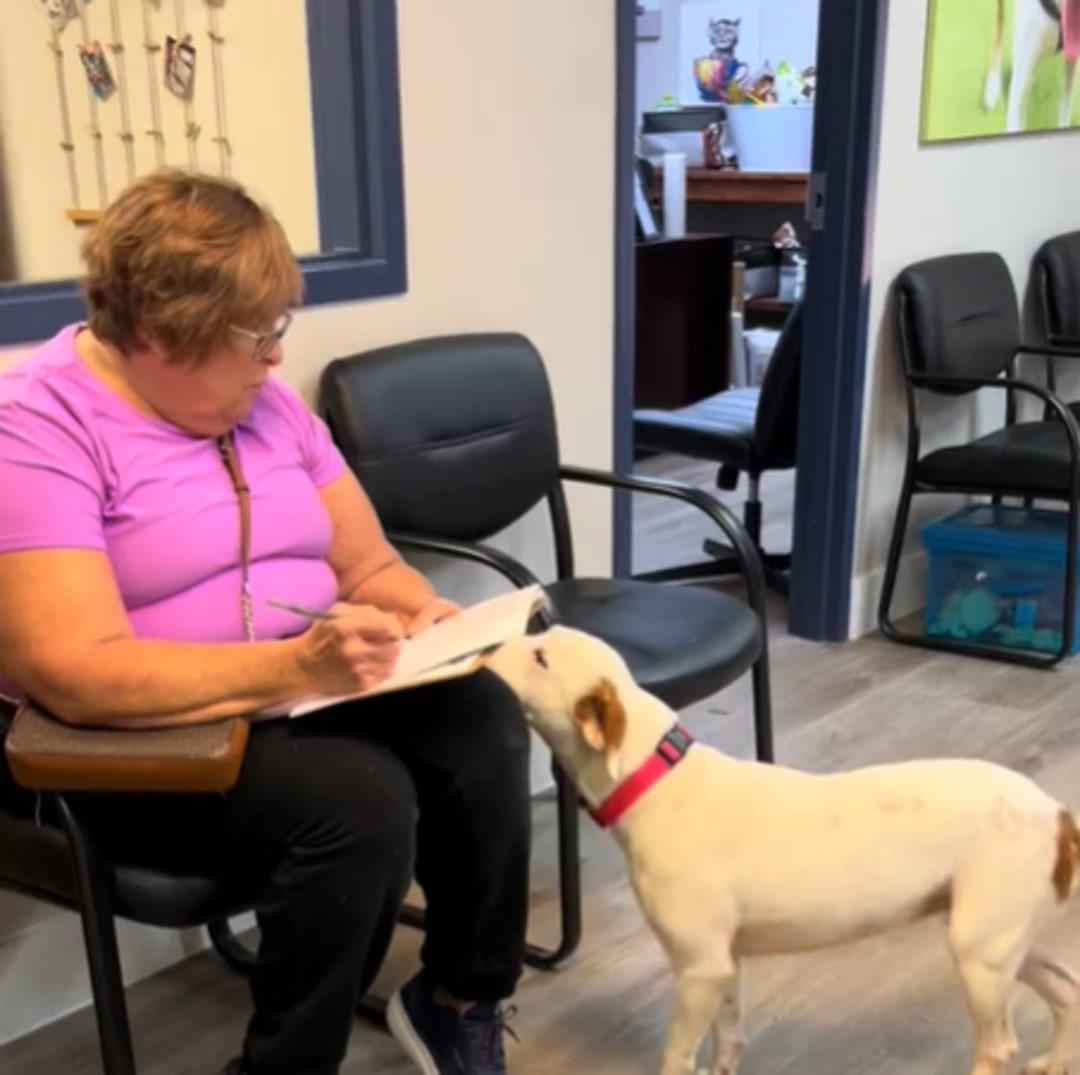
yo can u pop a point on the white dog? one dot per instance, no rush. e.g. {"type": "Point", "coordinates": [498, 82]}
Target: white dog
{"type": "Point", "coordinates": [731, 858]}
{"type": "Point", "coordinates": [1040, 28]}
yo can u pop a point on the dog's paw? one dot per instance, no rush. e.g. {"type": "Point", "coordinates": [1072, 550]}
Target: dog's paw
{"type": "Point", "coordinates": [1044, 1065]}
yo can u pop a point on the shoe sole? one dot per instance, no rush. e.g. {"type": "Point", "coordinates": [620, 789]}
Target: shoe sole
{"type": "Point", "coordinates": [401, 1028]}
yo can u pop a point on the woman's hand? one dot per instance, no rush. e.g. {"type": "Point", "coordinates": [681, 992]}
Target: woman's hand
{"type": "Point", "coordinates": [433, 612]}
{"type": "Point", "coordinates": [352, 652]}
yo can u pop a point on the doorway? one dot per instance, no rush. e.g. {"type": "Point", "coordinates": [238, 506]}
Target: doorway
{"type": "Point", "coordinates": [841, 184]}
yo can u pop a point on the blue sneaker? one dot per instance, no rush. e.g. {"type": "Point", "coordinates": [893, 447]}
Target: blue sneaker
{"type": "Point", "coordinates": [441, 1042]}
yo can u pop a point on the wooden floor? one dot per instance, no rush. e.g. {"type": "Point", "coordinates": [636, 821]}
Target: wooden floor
{"type": "Point", "coordinates": [885, 1006]}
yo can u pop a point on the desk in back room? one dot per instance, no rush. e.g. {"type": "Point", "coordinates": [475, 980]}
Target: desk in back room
{"type": "Point", "coordinates": [682, 320]}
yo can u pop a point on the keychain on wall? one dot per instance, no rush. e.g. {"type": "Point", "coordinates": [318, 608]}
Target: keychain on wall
{"type": "Point", "coordinates": [98, 73]}
{"type": "Point", "coordinates": [179, 66]}
{"type": "Point", "coordinates": [60, 12]}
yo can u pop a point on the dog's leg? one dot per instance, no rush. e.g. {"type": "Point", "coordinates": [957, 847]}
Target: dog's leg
{"type": "Point", "coordinates": [1068, 94]}
{"type": "Point", "coordinates": [1058, 986]}
{"type": "Point", "coordinates": [698, 994]}
{"type": "Point", "coordinates": [1033, 35]}
{"type": "Point", "coordinates": [992, 88]}
{"type": "Point", "coordinates": [990, 930]}
{"type": "Point", "coordinates": [727, 1033]}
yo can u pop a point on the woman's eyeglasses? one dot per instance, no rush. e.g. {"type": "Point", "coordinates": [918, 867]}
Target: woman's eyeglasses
{"type": "Point", "coordinates": [265, 342]}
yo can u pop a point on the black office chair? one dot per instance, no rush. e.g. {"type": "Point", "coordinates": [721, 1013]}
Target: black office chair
{"type": "Point", "coordinates": [454, 439]}
{"type": "Point", "coordinates": [959, 328]}
{"type": "Point", "coordinates": [747, 431]}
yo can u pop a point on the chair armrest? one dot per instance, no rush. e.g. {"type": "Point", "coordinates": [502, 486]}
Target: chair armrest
{"type": "Point", "coordinates": [505, 565]}
{"type": "Point", "coordinates": [1053, 403]}
{"type": "Point", "coordinates": [745, 554]}
{"type": "Point", "coordinates": [498, 561]}
{"type": "Point", "coordinates": [1065, 349]}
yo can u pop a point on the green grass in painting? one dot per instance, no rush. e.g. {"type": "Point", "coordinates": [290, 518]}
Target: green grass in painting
{"type": "Point", "coordinates": [957, 56]}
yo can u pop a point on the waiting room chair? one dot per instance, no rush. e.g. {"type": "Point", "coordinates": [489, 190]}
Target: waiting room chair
{"type": "Point", "coordinates": [959, 329]}
{"type": "Point", "coordinates": [1057, 280]}
{"type": "Point", "coordinates": [47, 854]}
{"type": "Point", "coordinates": [1056, 271]}
{"type": "Point", "coordinates": [454, 439]}
{"type": "Point", "coordinates": [746, 431]}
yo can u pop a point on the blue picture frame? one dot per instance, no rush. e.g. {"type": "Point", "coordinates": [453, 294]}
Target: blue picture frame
{"type": "Point", "coordinates": [356, 121]}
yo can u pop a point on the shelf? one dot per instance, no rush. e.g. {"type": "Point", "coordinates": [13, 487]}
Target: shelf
{"type": "Point", "coordinates": [768, 304]}
{"type": "Point", "coordinates": [82, 218]}
{"type": "Point", "coordinates": [721, 186]}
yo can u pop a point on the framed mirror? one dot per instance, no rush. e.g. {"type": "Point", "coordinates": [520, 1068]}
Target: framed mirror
{"type": "Point", "coordinates": [298, 100]}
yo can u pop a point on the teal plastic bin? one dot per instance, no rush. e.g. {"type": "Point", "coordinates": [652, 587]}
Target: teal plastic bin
{"type": "Point", "coordinates": [997, 577]}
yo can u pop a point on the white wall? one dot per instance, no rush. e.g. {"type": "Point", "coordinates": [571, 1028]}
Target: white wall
{"type": "Point", "coordinates": [788, 32]}
{"type": "Point", "coordinates": [497, 240]}
{"type": "Point", "coordinates": [264, 74]}
{"type": "Point", "coordinates": [1006, 195]}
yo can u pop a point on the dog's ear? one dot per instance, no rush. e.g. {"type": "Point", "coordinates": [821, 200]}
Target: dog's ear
{"type": "Point", "coordinates": [602, 719]}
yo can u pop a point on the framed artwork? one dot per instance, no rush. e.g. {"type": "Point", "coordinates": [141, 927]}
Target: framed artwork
{"type": "Point", "coordinates": [1000, 67]}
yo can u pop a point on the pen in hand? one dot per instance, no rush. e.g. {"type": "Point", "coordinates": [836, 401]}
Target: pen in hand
{"type": "Point", "coordinates": [300, 610]}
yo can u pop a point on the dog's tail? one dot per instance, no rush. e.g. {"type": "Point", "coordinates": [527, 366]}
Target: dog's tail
{"type": "Point", "coordinates": [1067, 860]}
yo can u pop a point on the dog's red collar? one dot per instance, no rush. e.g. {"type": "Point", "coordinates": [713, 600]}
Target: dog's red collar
{"type": "Point", "coordinates": [669, 752]}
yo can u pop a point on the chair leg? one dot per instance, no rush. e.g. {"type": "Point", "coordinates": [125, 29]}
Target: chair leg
{"type": "Point", "coordinates": [569, 879]}
{"type": "Point", "coordinates": [102, 953]}
{"type": "Point", "coordinates": [763, 722]}
{"type": "Point", "coordinates": [892, 564]}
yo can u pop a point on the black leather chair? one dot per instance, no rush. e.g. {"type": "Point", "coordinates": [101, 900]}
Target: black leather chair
{"type": "Point", "coordinates": [46, 854]}
{"type": "Point", "coordinates": [1057, 278]}
{"type": "Point", "coordinates": [454, 439]}
{"type": "Point", "coordinates": [959, 329]}
{"type": "Point", "coordinates": [1056, 270]}
{"type": "Point", "coordinates": [747, 431]}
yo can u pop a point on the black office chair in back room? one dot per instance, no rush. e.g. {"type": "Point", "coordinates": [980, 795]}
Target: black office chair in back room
{"type": "Point", "coordinates": [746, 431]}
{"type": "Point", "coordinates": [959, 329]}
{"type": "Point", "coordinates": [454, 439]}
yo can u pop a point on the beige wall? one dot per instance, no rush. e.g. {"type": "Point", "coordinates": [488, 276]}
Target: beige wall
{"type": "Point", "coordinates": [267, 103]}
{"type": "Point", "coordinates": [508, 113]}
{"type": "Point", "coordinates": [1006, 195]}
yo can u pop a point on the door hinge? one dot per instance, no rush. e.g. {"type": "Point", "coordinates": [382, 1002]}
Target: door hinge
{"type": "Point", "coordinates": [815, 201]}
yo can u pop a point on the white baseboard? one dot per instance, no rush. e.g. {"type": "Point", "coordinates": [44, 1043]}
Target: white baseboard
{"type": "Point", "coordinates": [908, 597]}
{"type": "Point", "coordinates": [43, 974]}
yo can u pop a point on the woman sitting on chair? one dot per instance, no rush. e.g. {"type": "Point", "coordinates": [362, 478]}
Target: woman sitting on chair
{"type": "Point", "coordinates": [161, 487]}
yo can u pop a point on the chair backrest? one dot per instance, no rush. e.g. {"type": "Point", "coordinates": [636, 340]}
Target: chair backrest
{"type": "Point", "coordinates": [959, 316]}
{"type": "Point", "coordinates": [451, 436]}
{"type": "Point", "coordinates": [776, 427]}
{"type": "Point", "coordinates": [1057, 266]}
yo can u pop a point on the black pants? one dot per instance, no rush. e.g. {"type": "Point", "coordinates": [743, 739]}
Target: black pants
{"type": "Point", "coordinates": [332, 814]}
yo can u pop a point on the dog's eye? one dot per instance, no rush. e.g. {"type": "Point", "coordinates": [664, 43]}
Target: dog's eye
{"type": "Point", "coordinates": [540, 658]}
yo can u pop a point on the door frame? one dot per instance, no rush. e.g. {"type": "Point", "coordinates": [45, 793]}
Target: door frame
{"type": "Point", "coordinates": [847, 120]}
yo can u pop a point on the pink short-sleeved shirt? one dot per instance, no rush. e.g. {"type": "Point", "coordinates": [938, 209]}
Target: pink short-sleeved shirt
{"type": "Point", "coordinates": [80, 468]}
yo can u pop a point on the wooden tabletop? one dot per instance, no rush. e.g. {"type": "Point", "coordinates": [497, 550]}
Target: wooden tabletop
{"type": "Point", "coordinates": [740, 188]}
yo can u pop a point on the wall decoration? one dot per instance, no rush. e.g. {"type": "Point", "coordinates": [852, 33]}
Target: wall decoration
{"type": "Point", "coordinates": [60, 12]}
{"type": "Point", "coordinates": [1000, 67]}
{"type": "Point", "coordinates": [179, 67]}
{"type": "Point", "coordinates": [719, 44]}
{"type": "Point", "coordinates": [98, 73]}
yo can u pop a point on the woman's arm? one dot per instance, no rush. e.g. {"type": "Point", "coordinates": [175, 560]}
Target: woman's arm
{"type": "Point", "coordinates": [369, 570]}
{"type": "Point", "coordinates": [66, 641]}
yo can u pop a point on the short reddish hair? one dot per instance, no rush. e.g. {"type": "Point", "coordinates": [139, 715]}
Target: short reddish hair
{"type": "Point", "coordinates": [178, 257]}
